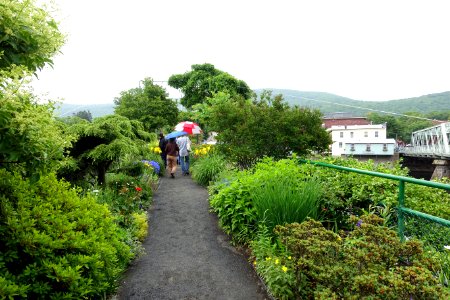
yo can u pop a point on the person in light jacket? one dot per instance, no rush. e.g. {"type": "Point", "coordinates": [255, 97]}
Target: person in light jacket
{"type": "Point", "coordinates": [184, 144]}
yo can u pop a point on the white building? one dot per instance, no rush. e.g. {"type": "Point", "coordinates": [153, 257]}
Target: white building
{"type": "Point", "coordinates": [361, 140]}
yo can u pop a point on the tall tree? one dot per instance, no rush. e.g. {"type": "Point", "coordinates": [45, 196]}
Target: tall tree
{"type": "Point", "coordinates": [84, 114]}
{"type": "Point", "coordinates": [149, 104]}
{"type": "Point", "coordinates": [250, 130]}
{"type": "Point", "coordinates": [203, 81]}
{"type": "Point", "coordinates": [29, 36]}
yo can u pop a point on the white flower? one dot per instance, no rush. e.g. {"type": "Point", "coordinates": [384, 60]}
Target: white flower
{"type": "Point", "coordinates": [447, 247]}
{"type": "Point", "coordinates": [95, 191]}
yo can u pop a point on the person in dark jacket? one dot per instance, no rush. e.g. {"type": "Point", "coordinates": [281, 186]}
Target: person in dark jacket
{"type": "Point", "coordinates": [162, 146]}
{"type": "Point", "coordinates": [172, 155]}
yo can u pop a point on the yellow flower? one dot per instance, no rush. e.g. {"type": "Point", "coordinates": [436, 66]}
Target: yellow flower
{"type": "Point", "coordinates": [289, 257]}
{"type": "Point", "coordinates": [254, 263]}
{"type": "Point", "coordinates": [277, 261]}
{"type": "Point", "coordinates": [268, 258]}
{"type": "Point", "coordinates": [339, 238]}
{"type": "Point", "coordinates": [284, 268]}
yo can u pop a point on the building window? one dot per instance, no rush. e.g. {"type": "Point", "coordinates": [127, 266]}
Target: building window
{"type": "Point", "coordinates": [341, 134]}
{"type": "Point", "coordinates": [352, 147]}
{"type": "Point", "coordinates": [340, 144]}
{"type": "Point", "coordinates": [368, 147]}
{"type": "Point", "coordinates": [384, 147]}
{"type": "Point", "coordinates": [351, 134]}
{"type": "Point", "coordinates": [376, 133]}
{"type": "Point", "coordinates": [366, 134]}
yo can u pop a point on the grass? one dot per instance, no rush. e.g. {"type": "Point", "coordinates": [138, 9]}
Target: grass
{"type": "Point", "coordinates": [284, 200]}
{"type": "Point", "coordinates": [207, 168]}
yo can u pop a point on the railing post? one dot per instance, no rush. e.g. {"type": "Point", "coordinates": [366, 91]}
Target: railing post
{"type": "Point", "coordinates": [401, 203]}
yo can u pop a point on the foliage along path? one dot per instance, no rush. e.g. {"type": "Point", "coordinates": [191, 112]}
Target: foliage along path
{"type": "Point", "coordinates": [186, 255]}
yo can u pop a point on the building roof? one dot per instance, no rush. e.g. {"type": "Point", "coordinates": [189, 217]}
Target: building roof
{"type": "Point", "coordinates": [327, 122]}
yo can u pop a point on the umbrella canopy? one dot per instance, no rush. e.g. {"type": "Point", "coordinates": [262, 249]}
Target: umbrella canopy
{"type": "Point", "coordinates": [175, 134]}
{"type": "Point", "coordinates": [189, 127]}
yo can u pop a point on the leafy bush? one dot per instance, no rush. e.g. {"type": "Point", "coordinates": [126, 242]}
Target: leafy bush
{"type": "Point", "coordinates": [56, 244]}
{"type": "Point", "coordinates": [140, 225]}
{"type": "Point", "coordinates": [125, 195]}
{"type": "Point", "coordinates": [367, 263]}
{"type": "Point", "coordinates": [274, 264]}
{"type": "Point", "coordinates": [207, 168]}
{"type": "Point", "coordinates": [345, 193]}
{"type": "Point", "coordinates": [232, 204]}
{"type": "Point", "coordinates": [233, 198]}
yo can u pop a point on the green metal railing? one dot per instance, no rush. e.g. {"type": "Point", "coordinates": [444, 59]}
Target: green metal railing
{"type": "Point", "coordinates": [401, 193]}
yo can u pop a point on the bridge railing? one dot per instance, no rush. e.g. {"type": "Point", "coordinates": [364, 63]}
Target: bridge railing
{"type": "Point", "coordinates": [401, 209]}
{"type": "Point", "coordinates": [433, 141]}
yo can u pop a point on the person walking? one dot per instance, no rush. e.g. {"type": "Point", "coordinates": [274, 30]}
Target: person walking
{"type": "Point", "coordinates": [162, 146]}
{"type": "Point", "coordinates": [184, 143]}
{"type": "Point", "coordinates": [172, 151]}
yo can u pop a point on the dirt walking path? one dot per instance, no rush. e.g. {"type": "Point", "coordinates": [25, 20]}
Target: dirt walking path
{"type": "Point", "coordinates": [187, 255]}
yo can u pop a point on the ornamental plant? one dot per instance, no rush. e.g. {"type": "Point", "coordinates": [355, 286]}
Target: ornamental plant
{"type": "Point", "coordinates": [207, 168]}
{"type": "Point", "coordinates": [124, 196]}
{"type": "Point", "coordinates": [273, 192]}
{"type": "Point", "coordinates": [274, 264]}
{"type": "Point", "coordinates": [56, 244]}
{"type": "Point", "coordinates": [368, 262]}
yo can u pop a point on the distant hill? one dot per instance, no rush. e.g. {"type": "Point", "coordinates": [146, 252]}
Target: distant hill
{"type": "Point", "coordinates": [97, 110]}
{"type": "Point", "coordinates": [325, 102]}
{"type": "Point", "coordinates": [328, 103]}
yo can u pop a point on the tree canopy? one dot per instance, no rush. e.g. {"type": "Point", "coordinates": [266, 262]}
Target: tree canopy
{"type": "Point", "coordinates": [250, 130]}
{"type": "Point", "coordinates": [100, 143]}
{"type": "Point", "coordinates": [149, 104]}
{"type": "Point", "coordinates": [400, 128]}
{"type": "Point", "coordinates": [29, 36]}
{"type": "Point", "coordinates": [203, 81]}
{"type": "Point", "coordinates": [31, 139]}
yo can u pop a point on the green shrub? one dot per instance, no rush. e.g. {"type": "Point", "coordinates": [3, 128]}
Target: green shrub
{"type": "Point", "coordinates": [207, 168]}
{"type": "Point", "coordinates": [56, 244]}
{"type": "Point", "coordinates": [367, 263]}
{"type": "Point", "coordinates": [140, 225]}
{"type": "Point", "coordinates": [346, 193]}
{"type": "Point", "coordinates": [125, 195]}
{"type": "Point", "coordinates": [274, 264]}
{"type": "Point", "coordinates": [442, 270]}
{"type": "Point", "coordinates": [233, 198]}
{"type": "Point", "coordinates": [232, 204]}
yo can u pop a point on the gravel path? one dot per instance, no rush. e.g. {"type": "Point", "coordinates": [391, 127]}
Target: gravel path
{"type": "Point", "coordinates": [187, 255]}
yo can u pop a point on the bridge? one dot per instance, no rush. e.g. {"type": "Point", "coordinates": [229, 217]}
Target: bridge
{"type": "Point", "coordinates": [432, 143]}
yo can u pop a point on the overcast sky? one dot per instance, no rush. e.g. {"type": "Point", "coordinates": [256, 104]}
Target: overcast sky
{"type": "Point", "coordinates": [364, 50]}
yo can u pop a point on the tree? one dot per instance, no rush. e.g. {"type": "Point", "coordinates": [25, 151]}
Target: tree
{"type": "Point", "coordinates": [400, 128]}
{"type": "Point", "coordinates": [439, 115]}
{"type": "Point", "coordinates": [30, 138]}
{"type": "Point", "coordinates": [100, 143]}
{"type": "Point", "coordinates": [84, 114]}
{"type": "Point", "coordinates": [29, 36]}
{"type": "Point", "coordinates": [149, 104]}
{"type": "Point", "coordinates": [250, 130]}
{"type": "Point", "coordinates": [203, 81]}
